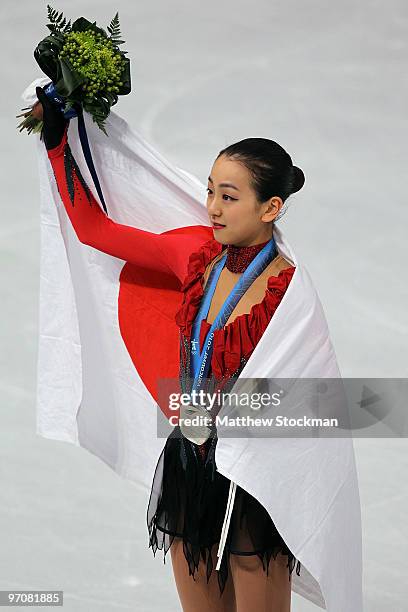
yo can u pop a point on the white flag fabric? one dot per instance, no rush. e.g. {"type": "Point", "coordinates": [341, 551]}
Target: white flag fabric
{"type": "Point", "coordinates": [90, 393]}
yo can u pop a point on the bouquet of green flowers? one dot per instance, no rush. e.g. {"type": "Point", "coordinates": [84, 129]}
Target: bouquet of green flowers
{"type": "Point", "coordinates": [86, 68]}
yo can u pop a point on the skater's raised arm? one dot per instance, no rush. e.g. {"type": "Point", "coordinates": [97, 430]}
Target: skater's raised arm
{"type": "Point", "coordinates": [166, 252]}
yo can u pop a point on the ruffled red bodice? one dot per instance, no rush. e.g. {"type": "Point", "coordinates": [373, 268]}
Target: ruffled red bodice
{"type": "Point", "coordinates": [240, 337]}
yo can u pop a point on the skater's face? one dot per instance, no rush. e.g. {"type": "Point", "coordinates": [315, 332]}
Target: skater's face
{"type": "Point", "coordinates": [245, 221]}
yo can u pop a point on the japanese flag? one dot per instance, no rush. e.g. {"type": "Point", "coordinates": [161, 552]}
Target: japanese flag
{"type": "Point", "coordinates": [106, 334]}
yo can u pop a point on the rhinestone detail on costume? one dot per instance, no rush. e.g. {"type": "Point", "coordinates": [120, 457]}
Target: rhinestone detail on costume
{"type": "Point", "coordinates": [71, 166]}
{"type": "Point", "coordinates": [239, 258]}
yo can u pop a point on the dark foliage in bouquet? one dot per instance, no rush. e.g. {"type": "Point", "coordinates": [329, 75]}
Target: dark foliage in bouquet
{"type": "Point", "coordinates": [85, 64]}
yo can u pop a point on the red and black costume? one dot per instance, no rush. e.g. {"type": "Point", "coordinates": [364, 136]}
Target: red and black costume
{"type": "Point", "coordinates": [193, 495]}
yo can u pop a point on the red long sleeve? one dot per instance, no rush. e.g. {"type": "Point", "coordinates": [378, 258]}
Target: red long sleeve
{"type": "Point", "coordinates": [167, 252]}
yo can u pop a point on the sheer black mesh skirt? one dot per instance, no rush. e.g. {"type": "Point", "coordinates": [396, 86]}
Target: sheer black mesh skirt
{"type": "Point", "coordinates": [188, 500]}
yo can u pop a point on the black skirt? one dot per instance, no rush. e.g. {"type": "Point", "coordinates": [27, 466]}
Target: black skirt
{"type": "Point", "coordinates": [188, 500]}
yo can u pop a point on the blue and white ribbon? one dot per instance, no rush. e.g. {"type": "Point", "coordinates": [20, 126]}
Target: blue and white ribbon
{"type": "Point", "coordinates": [72, 112]}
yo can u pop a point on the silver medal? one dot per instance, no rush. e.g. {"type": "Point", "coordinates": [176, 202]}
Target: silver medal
{"type": "Point", "coordinates": [200, 431]}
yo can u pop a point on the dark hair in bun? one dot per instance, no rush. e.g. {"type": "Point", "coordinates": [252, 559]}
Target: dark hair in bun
{"type": "Point", "coordinates": [270, 166]}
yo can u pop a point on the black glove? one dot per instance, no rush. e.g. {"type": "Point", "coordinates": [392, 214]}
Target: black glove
{"type": "Point", "coordinates": [54, 122]}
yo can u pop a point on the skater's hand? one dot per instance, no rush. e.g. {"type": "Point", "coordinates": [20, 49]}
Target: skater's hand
{"type": "Point", "coordinates": [54, 120]}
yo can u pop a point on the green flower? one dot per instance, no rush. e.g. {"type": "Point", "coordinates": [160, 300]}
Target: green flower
{"type": "Point", "coordinates": [85, 64]}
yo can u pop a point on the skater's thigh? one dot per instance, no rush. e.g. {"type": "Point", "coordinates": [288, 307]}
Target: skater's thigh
{"type": "Point", "coordinates": [197, 595]}
{"type": "Point", "coordinates": [254, 590]}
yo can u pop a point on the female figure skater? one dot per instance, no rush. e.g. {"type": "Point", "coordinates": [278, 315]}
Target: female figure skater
{"type": "Point", "coordinates": [248, 185]}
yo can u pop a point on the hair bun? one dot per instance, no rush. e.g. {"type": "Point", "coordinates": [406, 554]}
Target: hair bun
{"type": "Point", "coordinates": [298, 179]}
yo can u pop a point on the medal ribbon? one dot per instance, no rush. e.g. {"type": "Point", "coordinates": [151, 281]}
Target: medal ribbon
{"type": "Point", "coordinates": [200, 360]}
